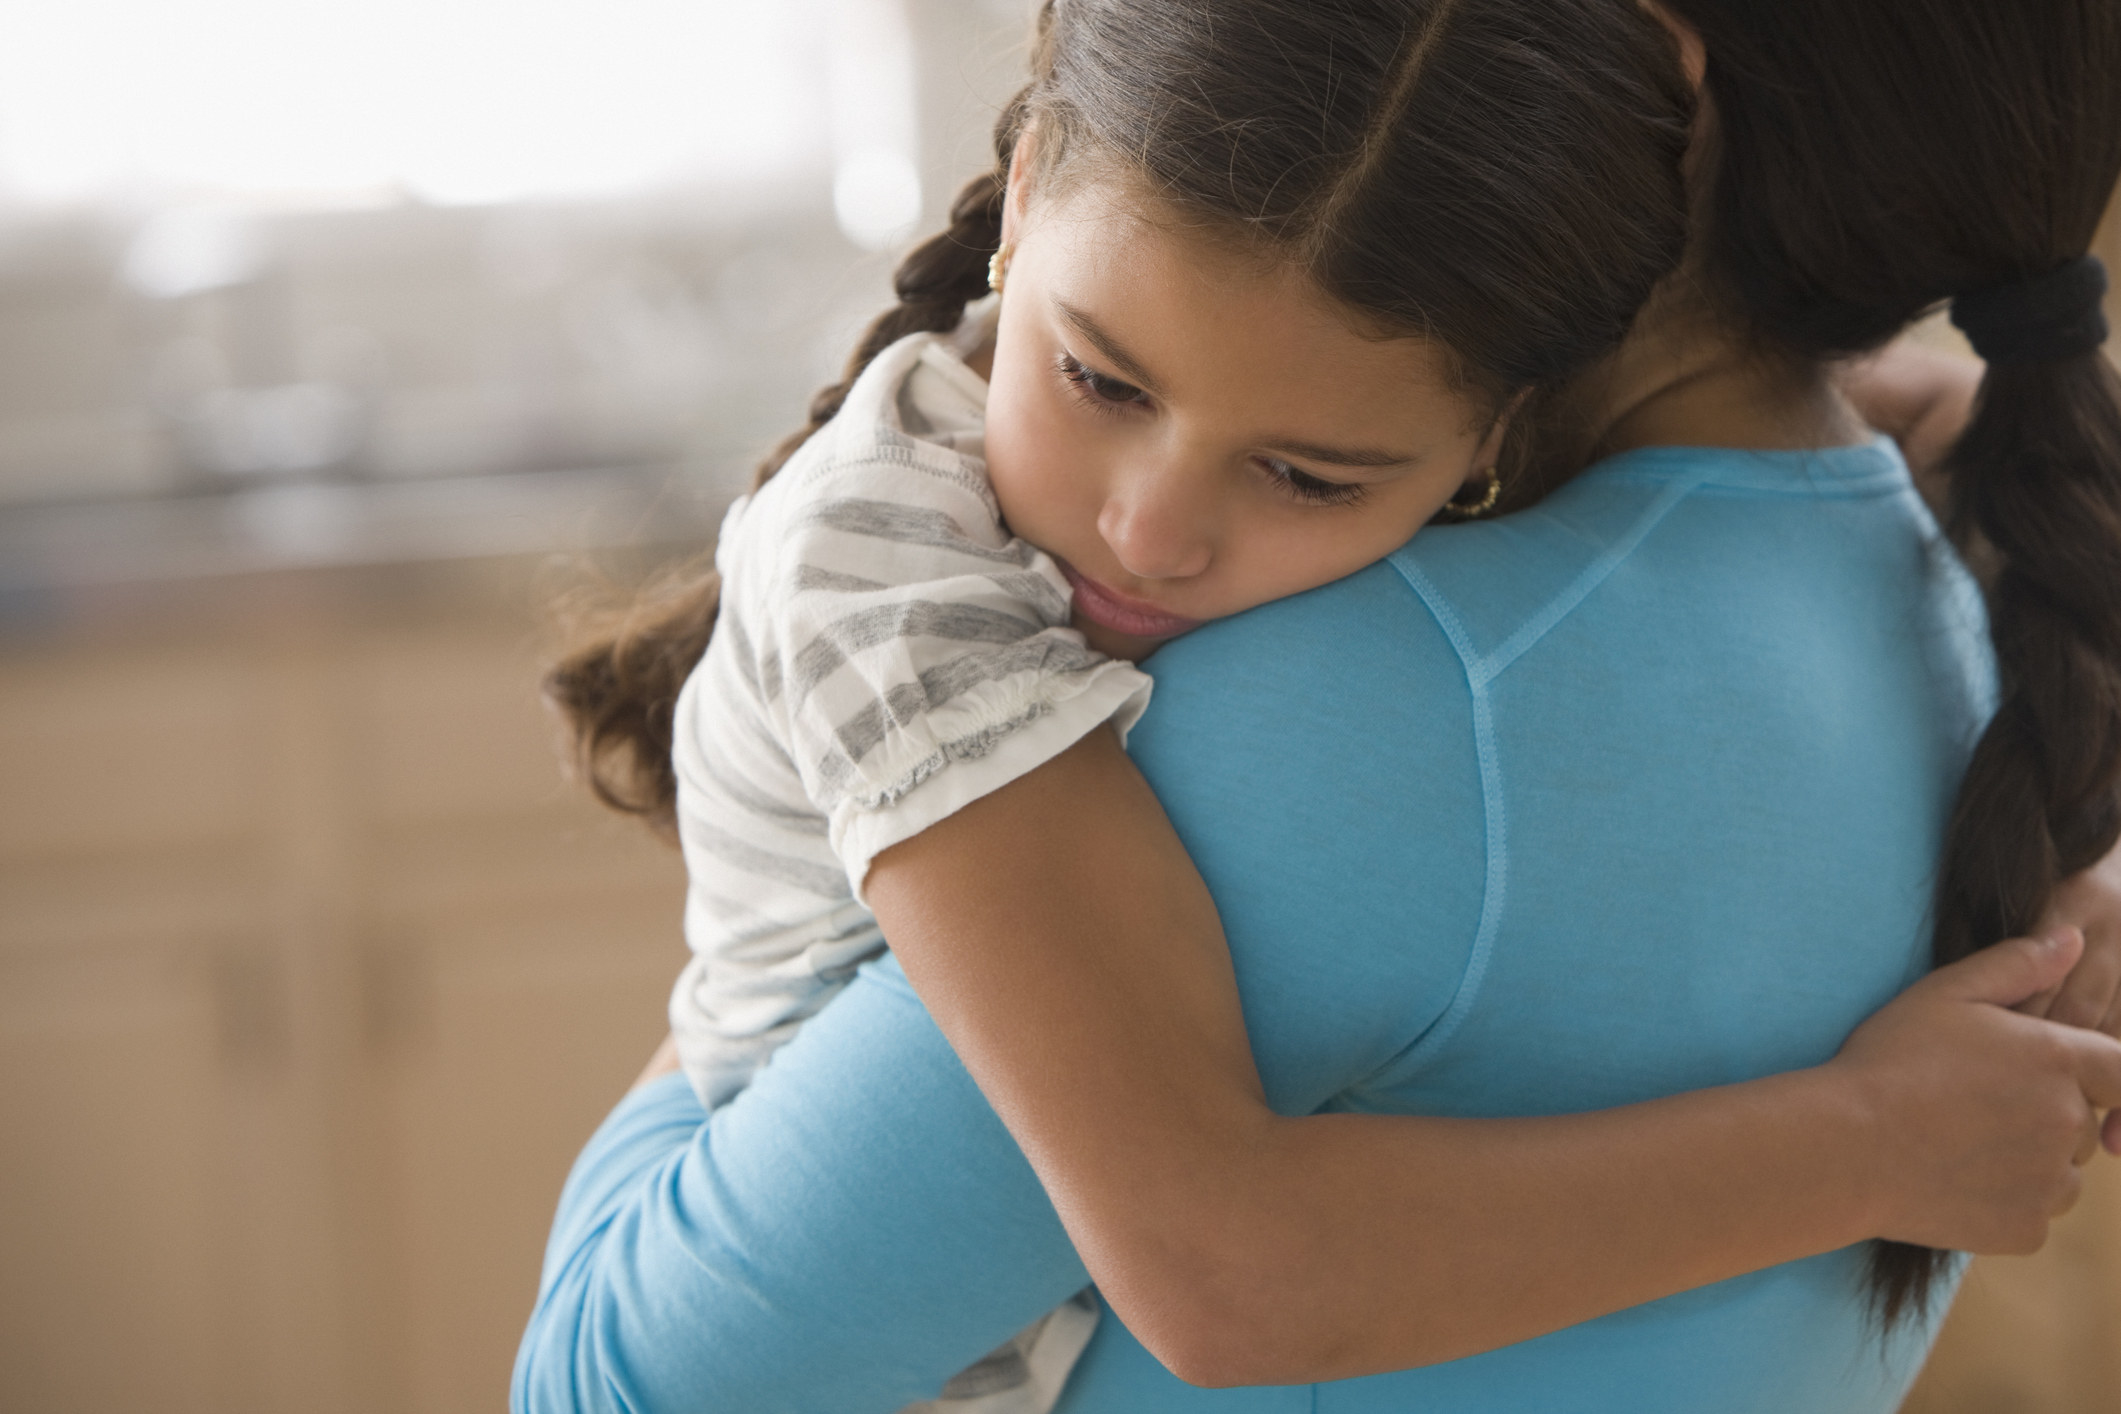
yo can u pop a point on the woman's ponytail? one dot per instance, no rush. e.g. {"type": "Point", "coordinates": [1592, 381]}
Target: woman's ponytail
{"type": "Point", "coordinates": [2036, 485]}
{"type": "Point", "coordinates": [1871, 161]}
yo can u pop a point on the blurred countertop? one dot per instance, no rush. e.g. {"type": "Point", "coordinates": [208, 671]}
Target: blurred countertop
{"type": "Point", "coordinates": [65, 562]}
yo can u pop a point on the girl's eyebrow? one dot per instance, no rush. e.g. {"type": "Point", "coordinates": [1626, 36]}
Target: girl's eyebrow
{"type": "Point", "coordinates": [1343, 456]}
{"type": "Point", "coordinates": [1114, 351]}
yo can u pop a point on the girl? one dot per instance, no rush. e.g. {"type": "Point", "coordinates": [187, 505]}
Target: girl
{"type": "Point", "coordinates": [1425, 60]}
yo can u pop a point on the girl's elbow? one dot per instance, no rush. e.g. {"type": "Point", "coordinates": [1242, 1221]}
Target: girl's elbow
{"type": "Point", "coordinates": [1211, 1359]}
{"type": "Point", "coordinates": [1211, 1339]}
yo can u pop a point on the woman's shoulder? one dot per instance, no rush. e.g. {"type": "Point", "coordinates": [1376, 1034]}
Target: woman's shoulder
{"type": "Point", "coordinates": [1677, 524]}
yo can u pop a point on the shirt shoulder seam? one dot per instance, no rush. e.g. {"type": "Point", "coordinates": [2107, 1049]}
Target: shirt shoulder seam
{"type": "Point", "coordinates": [1481, 670]}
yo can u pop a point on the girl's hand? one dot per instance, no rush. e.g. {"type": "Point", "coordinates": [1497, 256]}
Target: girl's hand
{"type": "Point", "coordinates": [2091, 995]}
{"type": "Point", "coordinates": [1920, 397]}
{"type": "Point", "coordinates": [1986, 1112]}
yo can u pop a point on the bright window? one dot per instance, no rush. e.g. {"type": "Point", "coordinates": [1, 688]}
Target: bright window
{"type": "Point", "coordinates": [146, 102]}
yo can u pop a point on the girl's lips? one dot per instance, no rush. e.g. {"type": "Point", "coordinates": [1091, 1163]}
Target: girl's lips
{"type": "Point", "coordinates": [1108, 608]}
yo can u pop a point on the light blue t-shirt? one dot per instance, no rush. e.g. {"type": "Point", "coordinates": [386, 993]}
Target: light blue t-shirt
{"type": "Point", "coordinates": [1636, 792]}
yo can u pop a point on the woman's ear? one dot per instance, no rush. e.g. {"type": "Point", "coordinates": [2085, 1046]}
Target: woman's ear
{"type": "Point", "coordinates": [1693, 54]}
{"type": "Point", "coordinates": [1489, 452]}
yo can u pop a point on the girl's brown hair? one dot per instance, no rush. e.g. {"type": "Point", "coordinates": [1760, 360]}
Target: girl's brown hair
{"type": "Point", "coordinates": [1872, 159]}
{"type": "Point", "coordinates": [1502, 176]}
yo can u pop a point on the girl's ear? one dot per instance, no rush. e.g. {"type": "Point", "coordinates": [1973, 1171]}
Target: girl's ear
{"type": "Point", "coordinates": [1693, 54]}
{"type": "Point", "coordinates": [1018, 194]}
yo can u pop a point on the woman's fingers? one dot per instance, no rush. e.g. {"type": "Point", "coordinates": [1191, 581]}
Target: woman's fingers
{"type": "Point", "coordinates": [660, 1064]}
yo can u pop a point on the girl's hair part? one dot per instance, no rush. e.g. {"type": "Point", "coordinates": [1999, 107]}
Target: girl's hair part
{"type": "Point", "coordinates": [1500, 176]}
{"type": "Point", "coordinates": [1871, 161]}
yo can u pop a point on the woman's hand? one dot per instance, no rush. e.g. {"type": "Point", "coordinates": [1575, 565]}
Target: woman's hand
{"type": "Point", "coordinates": [1985, 1113]}
{"type": "Point", "coordinates": [664, 1061]}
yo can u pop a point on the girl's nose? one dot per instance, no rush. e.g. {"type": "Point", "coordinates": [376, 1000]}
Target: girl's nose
{"type": "Point", "coordinates": [1159, 526]}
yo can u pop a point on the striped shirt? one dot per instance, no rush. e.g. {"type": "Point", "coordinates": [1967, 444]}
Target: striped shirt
{"type": "Point", "coordinates": [886, 652]}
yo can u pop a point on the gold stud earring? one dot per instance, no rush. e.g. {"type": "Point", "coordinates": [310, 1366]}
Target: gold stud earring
{"type": "Point", "coordinates": [998, 268]}
{"type": "Point", "coordinates": [1486, 503]}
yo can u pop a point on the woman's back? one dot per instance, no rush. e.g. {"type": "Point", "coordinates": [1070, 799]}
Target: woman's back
{"type": "Point", "coordinates": [1635, 793]}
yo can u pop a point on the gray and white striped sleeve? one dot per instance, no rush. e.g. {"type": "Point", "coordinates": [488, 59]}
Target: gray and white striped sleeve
{"type": "Point", "coordinates": [910, 654]}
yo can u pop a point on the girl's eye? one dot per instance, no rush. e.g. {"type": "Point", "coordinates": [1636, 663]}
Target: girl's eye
{"type": "Point", "coordinates": [1105, 394]}
{"type": "Point", "coordinates": [1311, 490]}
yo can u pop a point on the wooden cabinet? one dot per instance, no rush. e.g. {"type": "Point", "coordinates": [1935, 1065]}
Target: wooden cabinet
{"type": "Point", "coordinates": [314, 975]}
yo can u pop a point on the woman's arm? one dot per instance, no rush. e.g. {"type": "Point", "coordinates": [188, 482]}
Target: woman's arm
{"type": "Point", "coordinates": [848, 1233]}
{"type": "Point", "coordinates": [1066, 946]}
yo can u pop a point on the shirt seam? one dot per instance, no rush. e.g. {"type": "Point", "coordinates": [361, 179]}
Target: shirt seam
{"type": "Point", "coordinates": [1481, 672]}
{"type": "Point", "coordinates": [1494, 823]}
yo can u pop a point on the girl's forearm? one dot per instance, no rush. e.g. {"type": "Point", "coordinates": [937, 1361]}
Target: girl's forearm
{"type": "Point", "coordinates": [1345, 1245]}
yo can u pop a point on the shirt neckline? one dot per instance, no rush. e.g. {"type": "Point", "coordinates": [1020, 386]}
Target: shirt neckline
{"type": "Point", "coordinates": [1852, 469]}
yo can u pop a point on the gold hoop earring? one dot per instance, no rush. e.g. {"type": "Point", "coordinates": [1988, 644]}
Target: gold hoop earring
{"type": "Point", "coordinates": [998, 268]}
{"type": "Point", "coordinates": [1485, 504]}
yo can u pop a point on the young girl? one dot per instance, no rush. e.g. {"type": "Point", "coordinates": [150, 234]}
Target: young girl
{"type": "Point", "coordinates": [1352, 443]}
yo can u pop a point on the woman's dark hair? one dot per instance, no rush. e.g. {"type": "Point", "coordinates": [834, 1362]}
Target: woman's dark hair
{"type": "Point", "coordinates": [1872, 159]}
{"type": "Point", "coordinates": [1502, 176]}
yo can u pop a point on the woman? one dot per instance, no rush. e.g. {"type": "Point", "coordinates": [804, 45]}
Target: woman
{"type": "Point", "coordinates": [1494, 633]}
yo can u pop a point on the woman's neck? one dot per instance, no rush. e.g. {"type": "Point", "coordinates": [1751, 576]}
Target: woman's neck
{"type": "Point", "coordinates": [1683, 377]}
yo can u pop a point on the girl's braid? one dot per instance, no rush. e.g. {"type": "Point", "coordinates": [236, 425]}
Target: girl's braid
{"type": "Point", "coordinates": [617, 690]}
{"type": "Point", "coordinates": [934, 283]}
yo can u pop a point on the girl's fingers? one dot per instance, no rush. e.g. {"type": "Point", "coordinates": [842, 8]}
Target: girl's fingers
{"type": "Point", "coordinates": [2010, 972]}
{"type": "Point", "coordinates": [2112, 1133]}
{"type": "Point", "coordinates": [2098, 1064]}
{"type": "Point", "coordinates": [2088, 995]}
{"type": "Point", "coordinates": [2039, 1003]}
{"type": "Point", "coordinates": [2088, 1146]}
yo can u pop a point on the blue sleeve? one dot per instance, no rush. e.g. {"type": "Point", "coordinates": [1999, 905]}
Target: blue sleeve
{"type": "Point", "coordinates": [844, 1236]}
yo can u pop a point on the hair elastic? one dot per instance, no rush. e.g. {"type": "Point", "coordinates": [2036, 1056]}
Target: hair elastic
{"type": "Point", "coordinates": [2049, 317]}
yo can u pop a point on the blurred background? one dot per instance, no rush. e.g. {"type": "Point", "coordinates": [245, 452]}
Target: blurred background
{"type": "Point", "coordinates": [334, 341]}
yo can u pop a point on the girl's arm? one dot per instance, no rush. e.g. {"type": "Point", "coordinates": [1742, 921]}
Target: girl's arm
{"type": "Point", "coordinates": [1064, 943]}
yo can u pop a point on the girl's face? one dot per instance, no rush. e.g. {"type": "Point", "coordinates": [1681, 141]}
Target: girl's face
{"type": "Point", "coordinates": [1191, 432]}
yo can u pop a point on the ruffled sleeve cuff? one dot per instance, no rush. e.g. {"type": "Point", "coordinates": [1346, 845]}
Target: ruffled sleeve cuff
{"type": "Point", "coordinates": [973, 747]}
